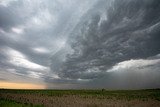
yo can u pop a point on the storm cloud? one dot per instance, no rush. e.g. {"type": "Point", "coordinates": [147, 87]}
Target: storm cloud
{"type": "Point", "coordinates": [110, 33]}
{"type": "Point", "coordinates": [81, 44]}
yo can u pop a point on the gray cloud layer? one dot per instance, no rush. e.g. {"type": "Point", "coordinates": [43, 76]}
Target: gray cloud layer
{"type": "Point", "coordinates": [130, 31]}
{"type": "Point", "coordinates": [87, 43]}
{"type": "Point", "coordinates": [112, 32]}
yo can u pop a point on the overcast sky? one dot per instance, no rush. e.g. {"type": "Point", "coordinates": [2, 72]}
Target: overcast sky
{"type": "Point", "coordinates": [112, 44]}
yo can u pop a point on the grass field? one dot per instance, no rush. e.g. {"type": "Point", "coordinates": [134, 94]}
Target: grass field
{"type": "Point", "coordinates": [10, 103]}
{"type": "Point", "coordinates": [80, 98]}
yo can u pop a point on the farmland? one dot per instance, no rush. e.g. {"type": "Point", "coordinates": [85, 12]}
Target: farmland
{"type": "Point", "coordinates": [80, 98]}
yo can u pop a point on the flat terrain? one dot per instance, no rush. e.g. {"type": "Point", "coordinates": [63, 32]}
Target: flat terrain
{"type": "Point", "coordinates": [80, 98]}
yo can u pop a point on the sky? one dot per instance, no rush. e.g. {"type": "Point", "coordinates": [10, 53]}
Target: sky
{"type": "Point", "coordinates": [80, 44]}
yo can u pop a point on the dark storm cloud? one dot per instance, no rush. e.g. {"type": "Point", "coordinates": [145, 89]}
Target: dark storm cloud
{"type": "Point", "coordinates": [129, 31]}
{"type": "Point", "coordinates": [32, 31]}
{"type": "Point", "coordinates": [81, 43]}
{"type": "Point", "coordinates": [45, 25]}
{"type": "Point", "coordinates": [8, 18]}
{"type": "Point", "coordinates": [14, 24]}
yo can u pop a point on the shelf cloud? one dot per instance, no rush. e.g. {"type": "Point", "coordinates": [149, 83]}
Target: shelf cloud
{"type": "Point", "coordinates": [81, 43]}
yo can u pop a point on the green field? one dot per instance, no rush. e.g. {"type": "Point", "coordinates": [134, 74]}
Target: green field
{"type": "Point", "coordinates": [87, 98]}
{"type": "Point", "coordinates": [10, 103]}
